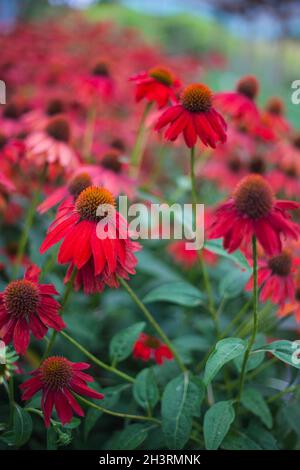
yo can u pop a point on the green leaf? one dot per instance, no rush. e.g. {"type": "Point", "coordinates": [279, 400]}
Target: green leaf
{"type": "Point", "coordinates": [22, 426]}
{"type": "Point", "coordinates": [216, 246]}
{"type": "Point", "coordinates": [253, 401]}
{"type": "Point", "coordinates": [111, 398]}
{"type": "Point", "coordinates": [286, 351]}
{"type": "Point", "coordinates": [150, 264]}
{"type": "Point", "coordinates": [51, 439]}
{"type": "Point", "coordinates": [239, 442]}
{"type": "Point", "coordinates": [291, 414]}
{"type": "Point", "coordinates": [254, 360]}
{"type": "Point", "coordinates": [217, 421]}
{"type": "Point", "coordinates": [131, 437]}
{"type": "Point", "coordinates": [225, 350]}
{"type": "Point", "coordinates": [145, 389]}
{"type": "Point", "coordinates": [180, 293]}
{"type": "Point", "coordinates": [122, 343]}
{"type": "Point", "coordinates": [263, 437]}
{"type": "Point", "coordinates": [180, 402]}
{"type": "Point", "coordinates": [233, 283]}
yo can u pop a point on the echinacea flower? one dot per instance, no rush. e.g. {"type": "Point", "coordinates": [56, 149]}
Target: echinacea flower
{"type": "Point", "coordinates": [275, 275]}
{"type": "Point", "coordinates": [158, 84]}
{"type": "Point", "coordinates": [253, 210]}
{"type": "Point", "coordinates": [98, 259]}
{"type": "Point", "coordinates": [59, 379]}
{"type": "Point", "coordinates": [97, 83]}
{"type": "Point", "coordinates": [149, 347]}
{"type": "Point", "coordinates": [194, 117]}
{"type": "Point", "coordinates": [273, 116]}
{"type": "Point", "coordinates": [71, 190]}
{"type": "Point", "coordinates": [26, 305]}
{"type": "Point", "coordinates": [52, 145]}
{"type": "Point", "coordinates": [240, 104]}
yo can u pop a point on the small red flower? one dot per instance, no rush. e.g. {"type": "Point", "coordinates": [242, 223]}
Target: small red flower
{"type": "Point", "coordinates": [27, 305]}
{"type": "Point", "coordinates": [57, 378]}
{"type": "Point", "coordinates": [194, 117]}
{"type": "Point", "coordinates": [157, 85]}
{"type": "Point", "coordinates": [276, 277]}
{"type": "Point", "coordinates": [99, 260]}
{"type": "Point", "coordinates": [149, 347]}
{"type": "Point", "coordinates": [253, 210]}
{"type": "Point", "coordinates": [240, 104]}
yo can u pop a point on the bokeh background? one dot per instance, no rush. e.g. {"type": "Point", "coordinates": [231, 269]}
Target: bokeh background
{"type": "Point", "coordinates": [237, 36]}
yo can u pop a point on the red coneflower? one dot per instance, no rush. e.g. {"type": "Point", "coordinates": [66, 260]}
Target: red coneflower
{"type": "Point", "coordinates": [276, 277]}
{"type": "Point", "coordinates": [97, 83]}
{"type": "Point", "coordinates": [194, 117]}
{"type": "Point", "coordinates": [157, 85]}
{"type": "Point", "coordinates": [240, 104]}
{"type": "Point", "coordinates": [99, 259]}
{"type": "Point", "coordinates": [52, 145]}
{"type": "Point", "coordinates": [273, 116]}
{"type": "Point", "coordinates": [71, 190]}
{"type": "Point", "coordinates": [149, 347]}
{"type": "Point", "coordinates": [253, 210]}
{"type": "Point", "coordinates": [27, 305]}
{"type": "Point", "coordinates": [57, 378]}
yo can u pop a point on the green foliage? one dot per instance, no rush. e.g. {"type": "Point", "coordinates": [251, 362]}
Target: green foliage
{"type": "Point", "coordinates": [217, 421]}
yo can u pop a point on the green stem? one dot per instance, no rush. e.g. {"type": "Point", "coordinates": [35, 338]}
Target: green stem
{"type": "Point", "coordinates": [64, 301]}
{"type": "Point", "coordinates": [97, 361]}
{"type": "Point", "coordinates": [236, 319]}
{"type": "Point", "coordinates": [206, 280]}
{"type": "Point", "coordinates": [137, 151]}
{"type": "Point", "coordinates": [152, 322]}
{"type": "Point", "coordinates": [290, 389]}
{"type": "Point", "coordinates": [115, 413]}
{"type": "Point", "coordinates": [255, 322]}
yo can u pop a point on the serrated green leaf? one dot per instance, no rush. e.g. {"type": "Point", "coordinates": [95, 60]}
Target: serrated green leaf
{"type": "Point", "coordinates": [253, 401]}
{"type": "Point", "coordinates": [225, 350]}
{"type": "Point", "coordinates": [233, 283]}
{"type": "Point", "coordinates": [217, 421]}
{"type": "Point", "coordinates": [180, 293]}
{"type": "Point", "coordinates": [180, 402]}
{"type": "Point", "coordinates": [145, 389]}
{"type": "Point", "coordinates": [122, 343]}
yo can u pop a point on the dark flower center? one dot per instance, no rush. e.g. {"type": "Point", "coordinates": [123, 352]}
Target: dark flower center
{"type": "Point", "coordinates": [79, 183]}
{"type": "Point", "coordinates": [12, 111]}
{"type": "Point", "coordinates": [21, 298]}
{"type": "Point", "coordinates": [152, 342]}
{"type": "Point", "coordinates": [297, 294]}
{"type": "Point", "coordinates": [101, 70]}
{"type": "Point", "coordinates": [281, 264]}
{"type": "Point", "coordinates": [118, 144]}
{"type": "Point", "coordinates": [197, 98]}
{"type": "Point", "coordinates": [56, 372]}
{"type": "Point", "coordinates": [275, 106]}
{"type": "Point", "coordinates": [248, 86]}
{"type": "Point", "coordinates": [55, 106]}
{"type": "Point", "coordinates": [162, 75]}
{"type": "Point", "coordinates": [291, 171]}
{"type": "Point", "coordinates": [112, 162]}
{"type": "Point", "coordinates": [3, 141]}
{"type": "Point", "coordinates": [59, 129]}
{"type": "Point", "coordinates": [234, 164]}
{"type": "Point", "coordinates": [296, 140]}
{"type": "Point", "coordinates": [90, 199]}
{"type": "Point", "coordinates": [253, 197]}
{"type": "Point", "coordinates": [257, 165]}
